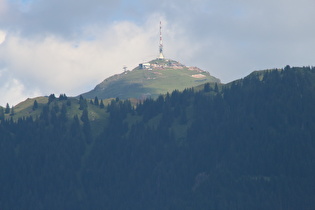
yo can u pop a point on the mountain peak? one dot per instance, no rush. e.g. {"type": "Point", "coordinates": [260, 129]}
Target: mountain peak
{"type": "Point", "coordinates": [150, 79]}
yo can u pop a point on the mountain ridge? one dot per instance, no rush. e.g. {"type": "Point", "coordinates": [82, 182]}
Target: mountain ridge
{"type": "Point", "coordinates": [245, 145]}
{"type": "Point", "coordinates": [24, 108]}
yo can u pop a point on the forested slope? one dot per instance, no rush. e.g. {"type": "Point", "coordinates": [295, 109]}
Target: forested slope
{"type": "Point", "coordinates": [249, 144]}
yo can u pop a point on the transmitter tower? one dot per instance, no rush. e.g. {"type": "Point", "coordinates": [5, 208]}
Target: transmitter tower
{"type": "Point", "coordinates": [161, 56]}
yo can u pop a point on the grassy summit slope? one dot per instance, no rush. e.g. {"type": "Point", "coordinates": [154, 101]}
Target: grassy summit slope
{"type": "Point", "coordinates": [152, 79]}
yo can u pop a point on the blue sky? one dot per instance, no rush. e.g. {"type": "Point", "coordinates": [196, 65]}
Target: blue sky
{"type": "Point", "coordinates": [69, 46]}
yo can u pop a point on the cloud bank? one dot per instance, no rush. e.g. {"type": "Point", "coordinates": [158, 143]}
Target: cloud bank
{"type": "Point", "coordinates": [67, 46]}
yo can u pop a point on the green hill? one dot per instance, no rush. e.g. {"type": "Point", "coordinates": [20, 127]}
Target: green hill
{"type": "Point", "coordinates": [150, 80]}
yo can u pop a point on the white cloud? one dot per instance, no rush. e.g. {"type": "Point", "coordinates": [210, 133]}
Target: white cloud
{"type": "Point", "coordinates": [56, 65]}
{"type": "Point", "coordinates": [12, 90]}
{"type": "Point", "coordinates": [2, 36]}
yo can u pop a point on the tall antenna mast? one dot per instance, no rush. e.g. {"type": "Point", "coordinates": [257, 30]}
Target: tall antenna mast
{"type": "Point", "coordinates": [161, 56]}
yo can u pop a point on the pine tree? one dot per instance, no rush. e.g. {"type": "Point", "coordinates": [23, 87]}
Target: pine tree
{"type": "Point", "coordinates": [62, 97]}
{"type": "Point", "coordinates": [75, 126]}
{"type": "Point", "coordinates": [83, 103]}
{"type": "Point", "coordinates": [51, 98]}
{"type": "Point", "coordinates": [86, 125]}
{"type": "Point", "coordinates": [63, 113]}
{"type": "Point", "coordinates": [35, 105]}
{"type": "Point", "coordinates": [1, 113]}
{"type": "Point", "coordinates": [207, 87]}
{"type": "Point", "coordinates": [216, 88]}
{"type": "Point", "coordinates": [7, 109]}
{"type": "Point", "coordinates": [96, 102]}
{"type": "Point", "coordinates": [102, 106]}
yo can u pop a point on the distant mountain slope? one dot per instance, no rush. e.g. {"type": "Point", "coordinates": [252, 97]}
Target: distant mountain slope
{"type": "Point", "coordinates": [151, 79]}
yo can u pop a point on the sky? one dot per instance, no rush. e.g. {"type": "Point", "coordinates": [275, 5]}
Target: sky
{"type": "Point", "coordinates": [69, 46]}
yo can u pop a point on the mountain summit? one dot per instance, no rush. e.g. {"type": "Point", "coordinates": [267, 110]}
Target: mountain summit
{"type": "Point", "coordinates": [151, 79]}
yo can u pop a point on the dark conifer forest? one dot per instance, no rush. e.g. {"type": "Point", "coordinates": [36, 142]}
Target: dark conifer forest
{"type": "Point", "coordinates": [249, 144]}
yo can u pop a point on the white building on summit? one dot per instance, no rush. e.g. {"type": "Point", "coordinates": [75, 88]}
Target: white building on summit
{"type": "Point", "coordinates": [144, 65]}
